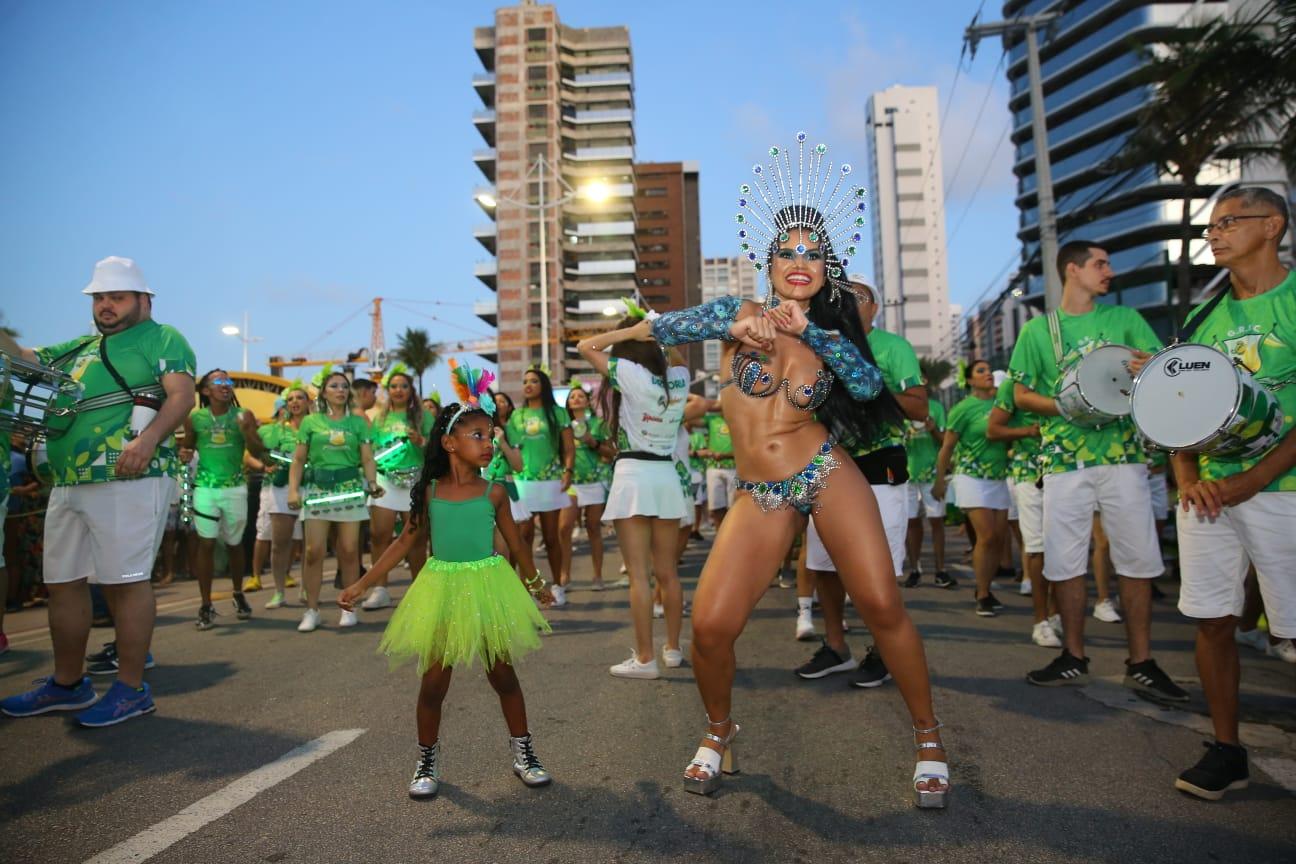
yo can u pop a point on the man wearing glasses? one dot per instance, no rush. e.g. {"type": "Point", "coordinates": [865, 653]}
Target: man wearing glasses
{"type": "Point", "coordinates": [114, 463]}
{"type": "Point", "coordinates": [1238, 512]}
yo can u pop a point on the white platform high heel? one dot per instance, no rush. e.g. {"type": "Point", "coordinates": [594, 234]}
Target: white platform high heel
{"type": "Point", "coordinates": [929, 771]}
{"type": "Point", "coordinates": [714, 763]}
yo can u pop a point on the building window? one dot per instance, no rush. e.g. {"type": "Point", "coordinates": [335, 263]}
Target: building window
{"type": "Point", "coordinates": [653, 192]}
{"type": "Point", "coordinates": [537, 34]}
{"type": "Point", "coordinates": [538, 112]}
{"type": "Point", "coordinates": [537, 73]}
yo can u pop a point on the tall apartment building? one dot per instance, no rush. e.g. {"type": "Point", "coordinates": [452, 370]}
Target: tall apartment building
{"type": "Point", "coordinates": [908, 217]}
{"type": "Point", "coordinates": [1091, 103]}
{"type": "Point", "coordinates": [720, 277]}
{"type": "Point", "coordinates": [669, 238]}
{"type": "Point", "coordinates": [558, 99]}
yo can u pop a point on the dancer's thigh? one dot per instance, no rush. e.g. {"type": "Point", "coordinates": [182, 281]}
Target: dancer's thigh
{"type": "Point", "coordinates": [850, 526]}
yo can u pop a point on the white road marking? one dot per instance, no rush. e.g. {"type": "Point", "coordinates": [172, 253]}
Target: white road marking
{"type": "Point", "coordinates": [168, 832]}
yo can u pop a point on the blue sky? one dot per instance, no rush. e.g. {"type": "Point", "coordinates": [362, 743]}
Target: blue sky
{"type": "Point", "coordinates": [294, 159]}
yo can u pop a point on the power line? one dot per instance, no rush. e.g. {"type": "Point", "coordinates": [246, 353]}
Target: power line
{"type": "Point", "coordinates": [967, 143]}
{"type": "Point", "coordinates": [329, 332]}
{"type": "Point", "coordinates": [984, 171]}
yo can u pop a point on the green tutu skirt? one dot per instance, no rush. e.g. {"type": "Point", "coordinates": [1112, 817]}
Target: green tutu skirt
{"type": "Point", "coordinates": [458, 610]}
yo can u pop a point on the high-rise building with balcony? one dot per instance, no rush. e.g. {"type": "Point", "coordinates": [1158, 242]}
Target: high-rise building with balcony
{"type": "Point", "coordinates": [669, 239]}
{"type": "Point", "coordinates": [558, 102]}
{"type": "Point", "coordinates": [720, 277]}
{"type": "Point", "coordinates": [908, 217]}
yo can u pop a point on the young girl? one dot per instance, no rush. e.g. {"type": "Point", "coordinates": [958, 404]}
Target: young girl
{"type": "Point", "coordinates": [467, 601]}
{"type": "Point", "coordinates": [589, 492]}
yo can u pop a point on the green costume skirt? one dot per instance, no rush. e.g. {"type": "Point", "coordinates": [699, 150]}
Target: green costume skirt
{"type": "Point", "coordinates": [458, 610]}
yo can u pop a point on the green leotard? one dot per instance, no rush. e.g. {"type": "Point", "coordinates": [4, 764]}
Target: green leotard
{"type": "Point", "coordinates": [462, 531]}
{"type": "Point", "coordinates": [219, 442]}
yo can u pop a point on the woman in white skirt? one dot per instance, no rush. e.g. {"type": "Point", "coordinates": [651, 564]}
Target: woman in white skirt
{"type": "Point", "coordinates": [645, 400]}
{"type": "Point", "coordinates": [281, 526]}
{"type": "Point", "coordinates": [541, 429]}
{"type": "Point", "coordinates": [980, 479]}
{"type": "Point", "coordinates": [588, 492]}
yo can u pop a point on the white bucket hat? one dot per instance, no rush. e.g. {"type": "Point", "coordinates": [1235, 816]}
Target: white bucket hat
{"type": "Point", "coordinates": [117, 274]}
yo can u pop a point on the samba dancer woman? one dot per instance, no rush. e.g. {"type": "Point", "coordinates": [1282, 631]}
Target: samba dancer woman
{"type": "Point", "coordinates": [806, 349]}
{"type": "Point", "coordinates": [590, 435]}
{"type": "Point", "coordinates": [280, 440]}
{"type": "Point", "coordinates": [400, 430]}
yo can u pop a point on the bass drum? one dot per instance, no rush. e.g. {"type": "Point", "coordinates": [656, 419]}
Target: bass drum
{"type": "Point", "coordinates": [1095, 391]}
{"type": "Point", "coordinates": [1193, 397]}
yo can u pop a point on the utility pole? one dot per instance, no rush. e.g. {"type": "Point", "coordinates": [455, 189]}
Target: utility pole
{"type": "Point", "coordinates": [1030, 25]}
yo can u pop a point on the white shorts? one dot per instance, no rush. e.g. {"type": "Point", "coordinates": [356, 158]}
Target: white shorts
{"type": "Point", "coordinates": [395, 498]}
{"type": "Point", "coordinates": [1120, 492]}
{"type": "Point", "coordinates": [587, 494]}
{"type": "Point", "coordinates": [721, 487]}
{"type": "Point", "coordinates": [972, 492]}
{"type": "Point", "coordinates": [1030, 516]}
{"type": "Point", "coordinates": [106, 533]}
{"type": "Point", "coordinates": [1214, 555]}
{"type": "Point", "coordinates": [542, 496]}
{"type": "Point", "coordinates": [923, 503]}
{"type": "Point", "coordinates": [274, 502]}
{"type": "Point", "coordinates": [220, 513]}
{"type": "Point", "coordinates": [698, 479]}
{"type": "Point", "coordinates": [643, 488]}
{"type": "Point", "coordinates": [519, 511]}
{"type": "Point", "coordinates": [1012, 500]}
{"type": "Point", "coordinates": [1160, 491]}
{"type": "Point", "coordinates": [893, 505]}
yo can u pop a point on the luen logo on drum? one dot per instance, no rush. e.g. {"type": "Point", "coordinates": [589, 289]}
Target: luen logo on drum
{"type": "Point", "coordinates": [1174, 366]}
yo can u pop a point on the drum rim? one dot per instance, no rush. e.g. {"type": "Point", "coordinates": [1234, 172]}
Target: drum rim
{"type": "Point", "coordinates": [1080, 385]}
{"type": "Point", "coordinates": [1237, 396]}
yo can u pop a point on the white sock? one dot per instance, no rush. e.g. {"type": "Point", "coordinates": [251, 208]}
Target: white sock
{"type": "Point", "coordinates": [803, 604]}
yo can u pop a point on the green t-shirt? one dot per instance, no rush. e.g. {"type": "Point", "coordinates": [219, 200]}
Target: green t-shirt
{"type": "Point", "coordinates": [333, 445]}
{"type": "Point", "coordinates": [718, 440]}
{"type": "Point", "coordinates": [279, 437]}
{"type": "Point", "coordinates": [586, 468]}
{"type": "Point", "coordinates": [899, 366]}
{"type": "Point", "coordinates": [528, 429]}
{"type": "Point", "coordinates": [921, 448]}
{"type": "Point", "coordinates": [388, 430]}
{"type": "Point", "coordinates": [697, 441]}
{"type": "Point", "coordinates": [1066, 447]}
{"type": "Point", "coordinates": [219, 443]}
{"type": "Point", "coordinates": [143, 355]}
{"type": "Point", "coordinates": [1023, 454]}
{"type": "Point", "coordinates": [975, 455]}
{"type": "Point", "coordinates": [1259, 333]}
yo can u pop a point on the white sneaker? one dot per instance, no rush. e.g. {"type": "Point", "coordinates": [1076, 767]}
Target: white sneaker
{"type": "Point", "coordinates": [1042, 635]}
{"type": "Point", "coordinates": [621, 583]}
{"type": "Point", "coordinates": [632, 668]}
{"type": "Point", "coordinates": [1055, 622]}
{"type": "Point", "coordinates": [348, 618]}
{"type": "Point", "coordinates": [378, 598]}
{"type": "Point", "coordinates": [310, 620]}
{"type": "Point", "coordinates": [805, 631]}
{"type": "Point", "coordinates": [559, 595]}
{"type": "Point", "coordinates": [672, 657]}
{"type": "Point", "coordinates": [275, 601]}
{"type": "Point", "coordinates": [1105, 611]}
{"type": "Point", "coordinates": [1284, 651]}
{"type": "Point", "coordinates": [659, 611]}
{"type": "Point", "coordinates": [1253, 639]}
{"type": "Point", "coordinates": [1025, 588]}
{"type": "Point", "coordinates": [624, 569]}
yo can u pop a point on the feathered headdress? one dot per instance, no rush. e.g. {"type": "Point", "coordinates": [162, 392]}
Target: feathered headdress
{"type": "Point", "coordinates": [962, 373]}
{"type": "Point", "coordinates": [322, 375]}
{"type": "Point", "coordinates": [472, 388]}
{"type": "Point", "coordinates": [540, 367]}
{"type": "Point", "coordinates": [396, 369]}
{"type": "Point", "coordinates": [295, 384]}
{"type": "Point", "coordinates": [634, 310]}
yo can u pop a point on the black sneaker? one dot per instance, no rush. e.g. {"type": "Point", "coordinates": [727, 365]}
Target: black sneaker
{"type": "Point", "coordinates": [241, 607]}
{"type": "Point", "coordinates": [1063, 671]}
{"type": "Point", "coordinates": [206, 617]}
{"type": "Point", "coordinates": [1223, 768]}
{"type": "Point", "coordinates": [985, 607]}
{"type": "Point", "coordinates": [914, 578]}
{"type": "Point", "coordinates": [825, 662]}
{"type": "Point", "coordinates": [696, 535]}
{"type": "Point", "coordinates": [106, 654]}
{"type": "Point", "coordinates": [1148, 678]}
{"type": "Point", "coordinates": [872, 672]}
{"type": "Point", "coordinates": [995, 602]}
{"type": "Point", "coordinates": [944, 580]}
{"type": "Point", "coordinates": [110, 667]}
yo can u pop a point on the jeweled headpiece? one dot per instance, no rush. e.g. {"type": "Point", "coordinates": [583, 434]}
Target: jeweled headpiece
{"type": "Point", "coordinates": [814, 196]}
{"type": "Point", "coordinates": [472, 387]}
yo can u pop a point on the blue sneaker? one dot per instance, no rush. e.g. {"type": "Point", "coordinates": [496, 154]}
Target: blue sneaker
{"type": "Point", "coordinates": [49, 697]}
{"type": "Point", "coordinates": [118, 705]}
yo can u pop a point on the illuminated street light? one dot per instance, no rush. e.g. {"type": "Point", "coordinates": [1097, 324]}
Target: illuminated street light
{"type": "Point", "coordinates": [596, 191]}
{"type": "Point", "coordinates": [230, 330]}
{"type": "Point", "coordinates": [487, 200]}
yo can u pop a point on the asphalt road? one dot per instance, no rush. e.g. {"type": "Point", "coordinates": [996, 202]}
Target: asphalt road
{"type": "Point", "coordinates": [1039, 774]}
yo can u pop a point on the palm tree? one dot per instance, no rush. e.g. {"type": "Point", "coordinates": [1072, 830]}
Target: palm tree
{"type": "Point", "coordinates": [935, 371]}
{"type": "Point", "coordinates": [1219, 94]}
{"type": "Point", "coordinates": [415, 350]}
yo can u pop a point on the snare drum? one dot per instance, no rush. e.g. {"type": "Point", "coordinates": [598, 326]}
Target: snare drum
{"type": "Point", "coordinates": [1095, 391]}
{"type": "Point", "coordinates": [1193, 397]}
{"type": "Point", "coordinates": [31, 395]}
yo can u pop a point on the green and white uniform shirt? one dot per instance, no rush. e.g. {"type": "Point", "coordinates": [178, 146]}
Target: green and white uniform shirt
{"type": "Point", "coordinates": [921, 448]}
{"type": "Point", "coordinates": [279, 438]}
{"type": "Point", "coordinates": [1024, 453]}
{"type": "Point", "coordinates": [975, 455]}
{"type": "Point", "coordinates": [587, 467]}
{"type": "Point", "coordinates": [719, 442]}
{"type": "Point", "coordinates": [91, 441]}
{"type": "Point", "coordinates": [393, 429]}
{"type": "Point", "coordinates": [1260, 334]}
{"type": "Point", "coordinates": [333, 450]}
{"type": "Point", "coordinates": [219, 443]}
{"type": "Point", "coordinates": [899, 366]}
{"type": "Point", "coordinates": [1066, 447]}
{"type": "Point", "coordinates": [528, 429]}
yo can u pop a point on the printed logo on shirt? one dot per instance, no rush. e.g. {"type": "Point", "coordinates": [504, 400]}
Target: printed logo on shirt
{"type": "Point", "coordinates": [337, 437]}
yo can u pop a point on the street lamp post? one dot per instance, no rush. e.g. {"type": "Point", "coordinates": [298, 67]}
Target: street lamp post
{"type": "Point", "coordinates": [245, 336]}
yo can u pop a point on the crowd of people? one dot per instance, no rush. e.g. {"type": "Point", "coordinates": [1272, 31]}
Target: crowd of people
{"type": "Point", "coordinates": [826, 447]}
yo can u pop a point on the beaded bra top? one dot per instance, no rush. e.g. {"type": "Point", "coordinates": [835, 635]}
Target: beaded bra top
{"type": "Point", "coordinates": [748, 372]}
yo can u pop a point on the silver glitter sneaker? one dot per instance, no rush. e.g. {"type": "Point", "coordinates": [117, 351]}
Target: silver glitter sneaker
{"type": "Point", "coordinates": [526, 765]}
{"type": "Point", "coordinates": [427, 774]}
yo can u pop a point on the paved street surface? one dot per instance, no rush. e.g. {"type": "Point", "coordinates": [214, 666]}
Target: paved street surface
{"type": "Point", "coordinates": [1039, 774]}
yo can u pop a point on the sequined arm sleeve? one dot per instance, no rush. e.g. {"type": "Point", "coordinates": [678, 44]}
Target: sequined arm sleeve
{"type": "Point", "coordinates": [697, 323]}
{"type": "Point", "coordinates": [863, 380]}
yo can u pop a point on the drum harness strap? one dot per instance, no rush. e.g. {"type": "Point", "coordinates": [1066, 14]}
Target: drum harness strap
{"type": "Point", "coordinates": [1055, 335]}
{"type": "Point", "coordinates": [1191, 325]}
{"type": "Point", "coordinates": [119, 397]}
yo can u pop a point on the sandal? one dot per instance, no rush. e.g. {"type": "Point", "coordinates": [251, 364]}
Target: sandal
{"type": "Point", "coordinates": [929, 771]}
{"type": "Point", "coordinates": [714, 763]}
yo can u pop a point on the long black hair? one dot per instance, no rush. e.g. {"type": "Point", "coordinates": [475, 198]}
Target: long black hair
{"type": "Point", "coordinates": [648, 355]}
{"type": "Point", "coordinates": [436, 461]}
{"type": "Point", "coordinates": [835, 307]}
{"type": "Point", "coordinates": [413, 411]}
{"type": "Point", "coordinates": [549, 405]}
{"type": "Point", "coordinates": [204, 400]}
